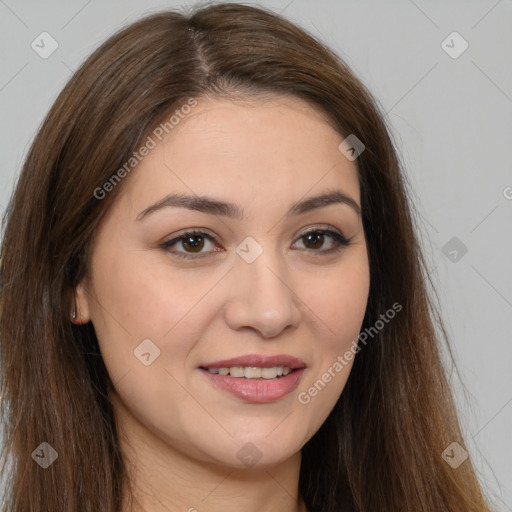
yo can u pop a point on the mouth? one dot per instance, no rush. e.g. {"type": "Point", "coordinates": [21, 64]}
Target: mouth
{"type": "Point", "coordinates": [255, 378]}
{"type": "Point", "coordinates": [251, 372]}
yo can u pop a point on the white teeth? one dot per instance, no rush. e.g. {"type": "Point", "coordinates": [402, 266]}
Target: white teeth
{"type": "Point", "coordinates": [237, 371]}
{"type": "Point", "coordinates": [252, 372]}
{"type": "Point", "coordinates": [269, 373]}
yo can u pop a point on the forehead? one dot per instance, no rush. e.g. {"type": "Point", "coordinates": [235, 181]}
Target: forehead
{"type": "Point", "coordinates": [267, 148]}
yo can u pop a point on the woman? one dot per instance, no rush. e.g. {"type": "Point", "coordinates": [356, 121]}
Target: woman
{"type": "Point", "coordinates": [213, 296]}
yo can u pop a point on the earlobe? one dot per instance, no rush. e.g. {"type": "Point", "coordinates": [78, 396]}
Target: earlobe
{"type": "Point", "coordinates": [81, 312]}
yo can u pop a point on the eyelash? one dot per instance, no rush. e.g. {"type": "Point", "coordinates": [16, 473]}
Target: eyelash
{"type": "Point", "coordinates": [340, 242]}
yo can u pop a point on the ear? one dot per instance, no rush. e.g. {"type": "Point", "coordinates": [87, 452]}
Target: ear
{"type": "Point", "coordinates": [82, 304]}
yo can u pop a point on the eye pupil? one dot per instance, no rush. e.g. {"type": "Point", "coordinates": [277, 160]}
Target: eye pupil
{"type": "Point", "coordinates": [193, 244]}
{"type": "Point", "coordinates": [316, 239]}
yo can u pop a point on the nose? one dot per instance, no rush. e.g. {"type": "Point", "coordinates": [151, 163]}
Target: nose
{"type": "Point", "coordinates": [263, 297]}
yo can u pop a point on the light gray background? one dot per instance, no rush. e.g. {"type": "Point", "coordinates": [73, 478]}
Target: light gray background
{"type": "Point", "coordinates": [452, 120]}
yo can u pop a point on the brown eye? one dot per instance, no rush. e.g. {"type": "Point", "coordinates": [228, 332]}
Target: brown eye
{"type": "Point", "coordinates": [193, 243]}
{"type": "Point", "coordinates": [315, 239]}
{"type": "Point", "coordinates": [189, 244]}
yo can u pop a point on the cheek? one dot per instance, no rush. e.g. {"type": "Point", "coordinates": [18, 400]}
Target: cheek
{"type": "Point", "coordinates": [338, 301]}
{"type": "Point", "coordinates": [139, 297]}
{"type": "Point", "coordinates": [136, 294]}
{"type": "Point", "coordinates": [337, 304]}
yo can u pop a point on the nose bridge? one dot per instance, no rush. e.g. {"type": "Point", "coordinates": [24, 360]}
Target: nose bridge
{"type": "Point", "coordinates": [263, 296]}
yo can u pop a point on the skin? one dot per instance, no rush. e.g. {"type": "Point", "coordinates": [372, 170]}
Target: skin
{"type": "Point", "coordinates": [180, 435]}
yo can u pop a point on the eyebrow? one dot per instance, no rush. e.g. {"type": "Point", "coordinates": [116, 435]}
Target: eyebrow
{"type": "Point", "coordinates": [212, 206]}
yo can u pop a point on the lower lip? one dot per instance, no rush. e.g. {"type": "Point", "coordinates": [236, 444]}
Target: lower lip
{"type": "Point", "coordinates": [260, 391]}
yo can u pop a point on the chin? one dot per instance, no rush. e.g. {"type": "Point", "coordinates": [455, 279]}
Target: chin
{"type": "Point", "coordinates": [257, 452]}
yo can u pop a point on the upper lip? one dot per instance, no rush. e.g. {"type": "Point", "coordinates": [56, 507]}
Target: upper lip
{"type": "Point", "coordinates": [258, 361]}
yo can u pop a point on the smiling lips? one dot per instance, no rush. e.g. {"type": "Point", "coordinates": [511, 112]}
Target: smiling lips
{"type": "Point", "coordinates": [256, 378]}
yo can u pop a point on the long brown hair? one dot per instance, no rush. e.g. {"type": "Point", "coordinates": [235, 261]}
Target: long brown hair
{"type": "Point", "coordinates": [381, 447]}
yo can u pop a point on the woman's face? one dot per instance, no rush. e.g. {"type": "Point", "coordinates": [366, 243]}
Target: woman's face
{"type": "Point", "coordinates": [253, 285]}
